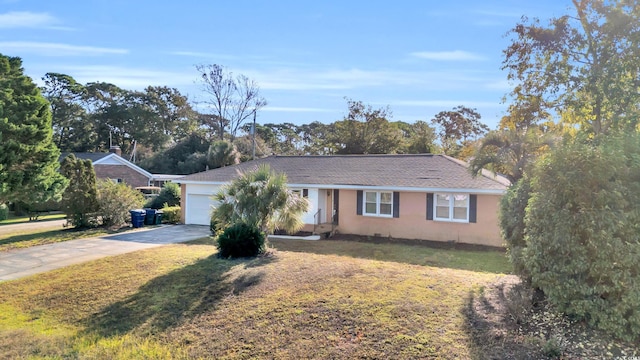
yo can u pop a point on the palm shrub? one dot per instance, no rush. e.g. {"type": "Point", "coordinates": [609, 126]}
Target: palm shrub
{"type": "Point", "coordinates": [260, 198]}
{"type": "Point", "coordinates": [115, 200]}
{"type": "Point", "coordinates": [240, 240]}
{"type": "Point", "coordinates": [583, 232]}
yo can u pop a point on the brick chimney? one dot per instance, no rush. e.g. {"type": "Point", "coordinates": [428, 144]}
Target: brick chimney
{"type": "Point", "coordinates": [115, 150]}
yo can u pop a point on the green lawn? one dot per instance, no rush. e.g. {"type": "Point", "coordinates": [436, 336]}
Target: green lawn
{"type": "Point", "coordinates": [336, 300]}
{"type": "Point", "coordinates": [25, 219]}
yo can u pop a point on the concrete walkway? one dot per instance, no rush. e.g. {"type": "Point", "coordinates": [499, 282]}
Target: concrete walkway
{"type": "Point", "coordinates": [18, 263]}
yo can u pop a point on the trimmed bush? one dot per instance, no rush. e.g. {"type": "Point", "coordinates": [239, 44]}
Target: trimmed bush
{"type": "Point", "coordinates": [169, 196]}
{"type": "Point", "coordinates": [583, 233]}
{"type": "Point", "coordinates": [240, 240]}
{"type": "Point", "coordinates": [171, 214]}
{"type": "Point", "coordinates": [4, 212]}
{"type": "Point", "coordinates": [115, 200]}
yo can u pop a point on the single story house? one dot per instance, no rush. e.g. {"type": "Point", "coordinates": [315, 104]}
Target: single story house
{"type": "Point", "coordinates": [422, 196]}
{"type": "Point", "coordinates": [113, 166]}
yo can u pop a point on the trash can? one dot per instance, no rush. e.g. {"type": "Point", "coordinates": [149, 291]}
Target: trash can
{"type": "Point", "coordinates": [149, 218]}
{"type": "Point", "coordinates": [137, 217]}
{"type": "Point", "coordinates": [158, 217]}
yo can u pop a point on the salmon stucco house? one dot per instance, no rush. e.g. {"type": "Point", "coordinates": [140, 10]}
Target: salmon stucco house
{"type": "Point", "coordinates": [423, 197]}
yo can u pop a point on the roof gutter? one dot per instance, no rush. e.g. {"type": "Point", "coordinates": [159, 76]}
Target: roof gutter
{"type": "Point", "coordinates": [369, 187]}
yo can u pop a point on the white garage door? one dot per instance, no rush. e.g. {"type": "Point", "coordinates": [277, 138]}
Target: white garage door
{"type": "Point", "coordinates": [198, 209]}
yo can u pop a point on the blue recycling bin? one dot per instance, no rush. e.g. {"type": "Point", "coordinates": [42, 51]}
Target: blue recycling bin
{"type": "Point", "coordinates": [137, 217]}
{"type": "Point", "coordinates": [149, 218]}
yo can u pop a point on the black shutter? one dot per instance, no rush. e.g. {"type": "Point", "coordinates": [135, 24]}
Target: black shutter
{"type": "Point", "coordinates": [429, 206]}
{"type": "Point", "coordinates": [396, 204]}
{"type": "Point", "coordinates": [305, 193]}
{"type": "Point", "coordinates": [336, 206]}
{"type": "Point", "coordinates": [473, 208]}
{"type": "Point", "coordinates": [359, 202]}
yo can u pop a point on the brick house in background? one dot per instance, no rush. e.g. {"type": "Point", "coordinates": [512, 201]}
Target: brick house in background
{"type": "Point", "coordinates": [113, 166]}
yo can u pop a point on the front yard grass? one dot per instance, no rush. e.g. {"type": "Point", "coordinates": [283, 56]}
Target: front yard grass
{"type": "Point", "coordinates": [181, 301]}
{"type": "Point", "coordinates": [25, 219]}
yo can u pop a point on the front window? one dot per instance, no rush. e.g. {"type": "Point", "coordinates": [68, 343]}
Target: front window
{"type": "Point", "coordinates": [452, 207]}
{"type": "Point", "coordinates": [378, 203]}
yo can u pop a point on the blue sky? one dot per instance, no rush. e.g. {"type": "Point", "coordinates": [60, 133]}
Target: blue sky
{"type": "Point", "coordinates": [417, 57]}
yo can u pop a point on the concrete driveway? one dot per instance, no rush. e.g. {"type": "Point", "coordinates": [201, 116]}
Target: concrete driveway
{"type": "Point", "coordinates": [18, 263]}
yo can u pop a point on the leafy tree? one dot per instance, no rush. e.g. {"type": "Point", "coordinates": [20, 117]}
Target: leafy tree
{"type": "Point", "coordinates": [72, 129]}
{"type": "Point", "coordinates": [582, 232]}
{"type": "Point", "coordinates": [169, 196]}
{"type": "Point", "coordinates": [80, 199]}
{"type": "Point", "coordinates": [115, 200]}
{"type": "Point", "coordinates": [28, 156]}
{"type": "Point", "coordinates": [260, 198]}
{"type": "Point", "coordinates": [185, 157]}
{"type": "Point", "coordinates": [420, 138]}
{"type": "Point", "coordinates": [222, 153]}
{"type": "Point", "coordinates": [366, 131]}
{"type": "Point", "coordinates": [176, 118]}
{"type": "Point", "coordinates": [234, 99]}
{"type": "Point", "coordinates": [582, 68]}
{"type": "Point", "coordinates": [316, 138]}
{"type": "Point", "coordinates": [244, 147]}
{"type": "Point", "coordinates": [457, 127]}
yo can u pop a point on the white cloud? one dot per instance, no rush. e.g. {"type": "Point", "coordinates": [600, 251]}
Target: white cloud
{"type": "Point", "coordinates": [128, 78]}
{"type": "Point", "coordinates": [456, 55]}
{"type": "Point", "coordinates": [56, 49]}
{"type": "Point", "coordinates": [502, 85]}
{"type": "Point", "coordinates": [344, 79]}
{"type": "Point", "coordinates": [27, 19]}
{"type": "Point", "coordinates": [203, 55]}
{"type": "Point", "coordinates": [445, 103]}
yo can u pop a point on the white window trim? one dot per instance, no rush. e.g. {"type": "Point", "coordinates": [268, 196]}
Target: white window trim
{"type": "Point", "coordinates": [378, 196]}
{"type": "Point", "coordinates": [451, 207]}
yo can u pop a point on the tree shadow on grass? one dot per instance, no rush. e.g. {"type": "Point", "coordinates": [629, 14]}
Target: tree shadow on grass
{"type": "Point", "coordinates": [167, 300]}
{"type": "Point", "coordinates": [491, 331]}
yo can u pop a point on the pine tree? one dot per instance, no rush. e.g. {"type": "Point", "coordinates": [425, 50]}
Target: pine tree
{"type": "Point", "coordinates": [28, 156]}
{"type": "Point", "coordinates": [80, 199]}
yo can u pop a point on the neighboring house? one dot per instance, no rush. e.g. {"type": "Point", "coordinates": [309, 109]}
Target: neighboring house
{"type": "Point", "coordinates": [113, 166]}
{"type": "Point", "coordinates": [424, 196]}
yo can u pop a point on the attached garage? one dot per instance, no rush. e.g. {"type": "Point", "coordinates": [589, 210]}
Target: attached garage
{"type": "Point", "coordinates": [198, 210]}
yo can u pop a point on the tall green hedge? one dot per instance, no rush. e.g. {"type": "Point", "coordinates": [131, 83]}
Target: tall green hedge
{"type": "Point", "coordinates": [583, 232]}
{"type": "Point", "coordinates": [512, 213]}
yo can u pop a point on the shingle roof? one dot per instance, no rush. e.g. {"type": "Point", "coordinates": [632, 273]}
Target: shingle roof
{"type": "Point", "coordinates": [417, 171]}
{"type": "Point", "coordinates": [85, 156]}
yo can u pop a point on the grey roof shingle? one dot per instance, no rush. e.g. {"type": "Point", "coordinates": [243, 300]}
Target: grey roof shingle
{"type": "Point", "coordinates": [419, 171]}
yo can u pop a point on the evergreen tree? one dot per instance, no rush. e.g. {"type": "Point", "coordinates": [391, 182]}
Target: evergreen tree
{"type": "Point", "coordinates": [28, 156]}
{"type": "Point", "coordinates": [80, 199]}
